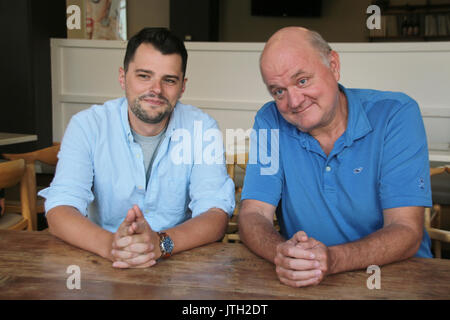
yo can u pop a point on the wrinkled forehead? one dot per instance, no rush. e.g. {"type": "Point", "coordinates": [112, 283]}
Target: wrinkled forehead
{"type": "Point", "coordinates": [284, 50]}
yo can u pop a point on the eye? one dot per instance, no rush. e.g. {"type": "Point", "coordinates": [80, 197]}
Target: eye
{"type": "Point", "coordinates": [277, 93]}
{"type": "Point", "coordinates": [170, 81]}
{"type": "Point", "coordinates": [144, 76]}
{"type": "Point", "coordinates": [302, 81]}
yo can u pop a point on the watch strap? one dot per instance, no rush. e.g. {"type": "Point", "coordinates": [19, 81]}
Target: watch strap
{"type": "Point", "coordinates": [163, 238]}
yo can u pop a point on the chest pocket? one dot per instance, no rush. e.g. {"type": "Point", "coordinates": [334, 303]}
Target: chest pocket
{"type": "Point", "coordinates": [174, 190]}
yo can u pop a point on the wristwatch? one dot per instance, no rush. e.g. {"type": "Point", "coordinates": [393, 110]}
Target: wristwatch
{"type": "Point", "coordinates": [165, 244]}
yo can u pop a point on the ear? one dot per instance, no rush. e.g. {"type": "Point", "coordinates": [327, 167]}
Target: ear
{"type": "Point", "coordinates": [335, 64]}
{"type": "Point", "coordinates": [122, 78]}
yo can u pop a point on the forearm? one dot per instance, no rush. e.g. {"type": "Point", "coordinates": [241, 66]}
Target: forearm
{"type": "Point", "coordinates": [70, 225]}
{"type": "Point", "coordinates": [259, 234]}
{"type": "Point", "coordinates": [205, 228]}
{"type": "Point", "coordinates": [390, 244]}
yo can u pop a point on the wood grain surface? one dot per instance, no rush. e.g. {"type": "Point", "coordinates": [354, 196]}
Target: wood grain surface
{"type": "Point", "coordinates": [33, 265]}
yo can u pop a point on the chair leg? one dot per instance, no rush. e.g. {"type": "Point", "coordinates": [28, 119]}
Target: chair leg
{"type": "Point", "coordinates": [225, 239]}
{"type": "Point", "coordinates": [437, 249]}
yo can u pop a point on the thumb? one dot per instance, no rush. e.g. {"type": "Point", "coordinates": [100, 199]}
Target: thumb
{"type": "Point", "coordinates": [140, 225]}
{"type": "Point", "coordinates": [138, 213]}
{"type": "Point", "coordinates": [300, 236]}
{"type": "Point", "coordinates": [122, 231]}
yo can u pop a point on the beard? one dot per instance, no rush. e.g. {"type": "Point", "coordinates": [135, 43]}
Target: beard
{"type": "Point", "coordinates": [142, 115]}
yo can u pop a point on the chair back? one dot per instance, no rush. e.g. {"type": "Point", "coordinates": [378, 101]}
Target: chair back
{"type": "Point", "coordinates": [235, 160]}
{"type": "Point", "coordinates": [13, 173]}
{"type": "Point", "coordinates": [433, 220]}
{"type": "Point", "coordinates": [47, 155]}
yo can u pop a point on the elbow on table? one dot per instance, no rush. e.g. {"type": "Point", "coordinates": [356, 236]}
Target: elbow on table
{"type": "Point", "coordinates": [52, 224]}
{"type": "Point", "coordinates": [415, 242]}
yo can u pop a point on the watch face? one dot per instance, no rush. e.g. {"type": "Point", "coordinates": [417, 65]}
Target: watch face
{"type": "Point", "coordinates": [167, 244]}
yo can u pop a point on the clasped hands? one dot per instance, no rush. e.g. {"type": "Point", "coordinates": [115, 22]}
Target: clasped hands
{"type": "Point", "coordinates": [135, 244]}
{"type": "Point", "coordinates": [302, 261]}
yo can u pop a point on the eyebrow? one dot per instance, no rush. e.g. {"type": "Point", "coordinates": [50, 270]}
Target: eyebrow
{"type": "Point", "coordinates": [151, 72]}
{"type": "Point", "coordinates": [299, 72]}
{"type": "Point", "coordinates": [144, 71]}
{"type": "Point", "coordinates": [273, 86]}
{"type": "Point", "coordinates": [295, 75]}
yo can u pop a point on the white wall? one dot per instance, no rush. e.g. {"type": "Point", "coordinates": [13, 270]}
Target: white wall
{"type": "Point", "coordinates": [224, 79]}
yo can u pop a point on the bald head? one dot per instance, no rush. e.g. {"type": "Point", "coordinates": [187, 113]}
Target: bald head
{"type": "Point", "coordinates": [297, 38]}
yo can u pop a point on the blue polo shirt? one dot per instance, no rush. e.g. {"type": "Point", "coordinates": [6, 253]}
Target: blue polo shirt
{"type": "Point", "coordinates": [379, 162]}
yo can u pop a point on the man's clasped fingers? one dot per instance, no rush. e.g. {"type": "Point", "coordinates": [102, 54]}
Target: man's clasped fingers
{"type": "Point", "coordinates": [296, 263]}
{"type": "Point", "coordinates": [300, 251]}
{"type": "Point", "coordinates": [300, 283]}
{"type": "Point", "coordinates": [127, 241]}
{"type": "Point", "coordinates": [141, 261]}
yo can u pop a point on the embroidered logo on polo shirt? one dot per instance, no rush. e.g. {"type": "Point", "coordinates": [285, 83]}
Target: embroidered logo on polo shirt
{"type": "Point", "coordinates": [358, 170]}
{"type": "Point", "coordinates": [421, 183]}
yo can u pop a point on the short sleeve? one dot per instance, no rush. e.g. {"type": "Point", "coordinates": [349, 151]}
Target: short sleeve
{"type": "Point", "coordinates": [405, 173]}
{"type": "Point", "coordinates": [263, 177]}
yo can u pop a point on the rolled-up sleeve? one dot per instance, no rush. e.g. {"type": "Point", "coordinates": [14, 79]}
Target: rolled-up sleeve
{"type": "Point", "coordinates": [210, 186]}
{"type": "Point", "coordinates": [72, 184]}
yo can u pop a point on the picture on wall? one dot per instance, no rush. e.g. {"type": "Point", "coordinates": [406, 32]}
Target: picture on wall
{"type": "Point", "coordinates": [106, 19]}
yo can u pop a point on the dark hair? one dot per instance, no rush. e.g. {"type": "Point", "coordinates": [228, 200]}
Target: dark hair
{"type": "Point", "coordinates": [162, 39]}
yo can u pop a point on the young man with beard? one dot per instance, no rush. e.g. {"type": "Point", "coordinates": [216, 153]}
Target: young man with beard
{"type": "Point", "coordinates": [119, 156]}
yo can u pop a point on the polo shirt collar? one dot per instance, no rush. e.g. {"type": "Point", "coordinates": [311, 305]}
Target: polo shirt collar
{"type": "Point", "coordinates": [358, 124]}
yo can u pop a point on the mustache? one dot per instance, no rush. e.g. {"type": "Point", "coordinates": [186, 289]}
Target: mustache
{"type": "Point", "coordinates": [152, 95]}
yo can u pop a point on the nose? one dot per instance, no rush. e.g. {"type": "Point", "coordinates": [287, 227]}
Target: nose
{"type": "Point", "coordinates": [295, 97]}
{"type": "Point", "coordinates": [155, 86]}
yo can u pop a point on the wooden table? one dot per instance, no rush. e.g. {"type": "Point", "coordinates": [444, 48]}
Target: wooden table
{"type": "Point", "coordinates": [33, 265]}
{"type": "Point", "coordinates": [12, 138]}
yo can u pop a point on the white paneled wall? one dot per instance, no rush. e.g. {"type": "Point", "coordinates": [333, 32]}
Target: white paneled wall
{"type": "Point", "coordinates": [224, 79]}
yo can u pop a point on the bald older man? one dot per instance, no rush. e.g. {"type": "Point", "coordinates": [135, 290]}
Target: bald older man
{"type": "Point", "coordinates": [353, 177]}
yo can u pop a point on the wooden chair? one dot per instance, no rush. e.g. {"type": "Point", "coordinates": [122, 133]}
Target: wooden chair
{"type": "Point", "coordinates": [47, 156]}
{"type": "Point", "coordinates": [11, 174]}
{"type": "Point", "coordinates": [433, 220]}
{"type": "Point", "coordinates": [238, 160]}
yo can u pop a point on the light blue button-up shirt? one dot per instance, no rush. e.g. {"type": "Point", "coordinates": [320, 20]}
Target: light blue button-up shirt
{"type": "Point", "coordinates": [101, 170]}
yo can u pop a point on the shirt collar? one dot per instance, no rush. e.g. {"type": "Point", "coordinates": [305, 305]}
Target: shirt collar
{"type": "Point", "coordinates": [358, 124]}
{"type": "Point", "coordinates": [175, 119]}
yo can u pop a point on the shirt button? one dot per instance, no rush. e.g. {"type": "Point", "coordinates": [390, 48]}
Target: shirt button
{"type": "Point", "coordinates": [328, 168]}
